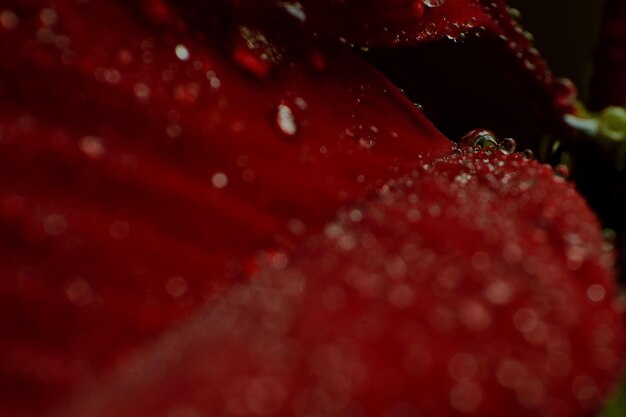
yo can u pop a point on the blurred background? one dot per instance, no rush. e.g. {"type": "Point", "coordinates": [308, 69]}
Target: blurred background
{"type": "Point", "coordinates": [585, 41]}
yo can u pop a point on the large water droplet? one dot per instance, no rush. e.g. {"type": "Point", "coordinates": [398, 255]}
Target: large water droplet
{"type": "Point", "coordinates": [528, 154]}
{"type": "Point", "coordinates": [480, 138]}
{"type": "Point", "coordinates": [295, 9]}
{"type": "Point", "coordinates": [286, 121]}
{"type": "Point", "coordinates": [508, 146]}
{"type": "Point", "coordinates": [433, 3]}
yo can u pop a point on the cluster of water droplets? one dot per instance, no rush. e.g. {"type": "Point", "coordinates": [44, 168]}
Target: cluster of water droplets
{"type": "Point", "coordinates": [485, 139]}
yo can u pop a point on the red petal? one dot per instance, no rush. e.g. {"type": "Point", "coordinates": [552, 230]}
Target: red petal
{"type": "Point", "coordinates": [478, 285]}
{"type": "Point", "coordinates": [387, 23]}
{"type": "Point", "coordinates": [138, 168]}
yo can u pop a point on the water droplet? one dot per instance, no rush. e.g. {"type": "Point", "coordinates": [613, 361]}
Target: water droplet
{"type": "Point", "coordinates": [214, 82]}
{"type": "Point", "coordinates": [55, 225]}
{"type": "Point", "coordinates": [508, 146]}
{"type": "Point", "coordinates": [499, 292]}
{"type": "Point", "coordinates": [463, 367]}
{"type": "Point", "coordinates": [418, 8]}
{"type": "Point", "coordinates": [515, 13]}
{"type": "Point", "coordinates": [367, 142]}
{"type": "Point", "coordinates": [596, 293]}
{"type": "Point", "coordinates": [300, 103]}
{"type": "Point", "coordinates": [433, 3]}
{"type": "Point", "coordinates": [174, 130]}
{"type": "Point", "coordinates": [125, 56]}
{"type": "Point", "coordinates": [48, 17]}
{"type": "Point", "coordinates": [9, 20]}
{"type": "Point", "coordinates": [466, 397]}
{"type": "Point", "coordinates": [565, 93]}
{"type": "Point", "coordinates": [92, 147]}
{"type": "Point", "coordinates": [79, 293]}
{"type": "Point", "coordinates": [584, 388]}
{"type": "Point", "coordinates": [265, 396]}
{"type": "Point", "coordinates": [474, 315]}
{"type": "Point", "coordinates": [285, 120]}
{"type": "Point", "coordinates": [510, 373]}
{"type": "Point", "coordinates": [119, 229]}
{"type": "Point", "coordinates": [401, 296]}
{"type": "Point", "coordinates": [525, 320]}
{"type": "Point", "coordinates": [480, 261]}
{"type": "Point", "coordinates": [561, 171]}
{"type": "Point", "coordinates": [219, 180]}
{"type": "Point", "coordinates": [187, 94]}
{"type": "Point", "coordinates": [182, 52]}
{"type": "Point", "coordinates": [142, 92]}
{"type": "Point", "coordinates": [528, 154]}
{"type": "Point", "coordinates": [176, 286]}
{"type": "Point", "coordinates": [295, 9]}
{"type": "Point", "coordinates": [480, 138]}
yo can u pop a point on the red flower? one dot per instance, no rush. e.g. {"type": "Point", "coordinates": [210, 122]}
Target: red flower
{"type": "Point", "coordinates": [169, 180]}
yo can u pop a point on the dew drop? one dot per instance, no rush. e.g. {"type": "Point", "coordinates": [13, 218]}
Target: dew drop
{"type": "Point", "coordinates": [565, 93]}
{"type": "Point", "coordinates": [463, 367]}
{"type": "Point", "coordinates": [499, 292]}
{"type": "Point", "coordinates": [219, 180]}
{"type": "Point", "coordinates": [79, 293]}
{"type": "Point", "coordinates": [285, 120]}
{"type": "Point", "coordinates": [296, 10]}
{"type": "Point", "coordinates": [466, 397]}
{"type": "Point", "coordinates": [480, 138]}
{"type": "Point", "coordinates": [9, 20]}
{"type": "Point", "coordinates": [474, 315]}
{"type": "Point", "coordinates": [182, 52]}
{"type": "Point", "coordinates": [119, 229]}
{"type": "Point", "coordinates": [176, 286]}
{"type": "Point", "coordinates": [525, 320]}
{"type": "Point", "coordinates": [418, 8]}
{"type": "Point", "coordinates": [55, 225]}
{"type": "Point", "coordinates": [596, 293]}
{"type": "Point", "coordinates": [265, 396]}
{"type": "Point", "coordinates": [174, 130]}
{"type": "Point", "coordinates": [214, 82]}
{"type": "Point", "coordinates": [367, 142]}
{"type": "Point", "coordinates": [48, 17]}
{"type": "Point", "coordinates": [187, 94]}
{"type": "Point", "coordinates": [508, 146]}
{"type": "Point", "coordinates": [401, 296]}
{"type": "Point", "coordinates": [561, 171]}
{"type": "Point", "coordinates": [433, 3]}
{"type": "Point", "coordinates": [92, 147]}
{"type": "Point", "coordinates": [515, 13]}
{"type": "Point", "coordinates": [528, 154]}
